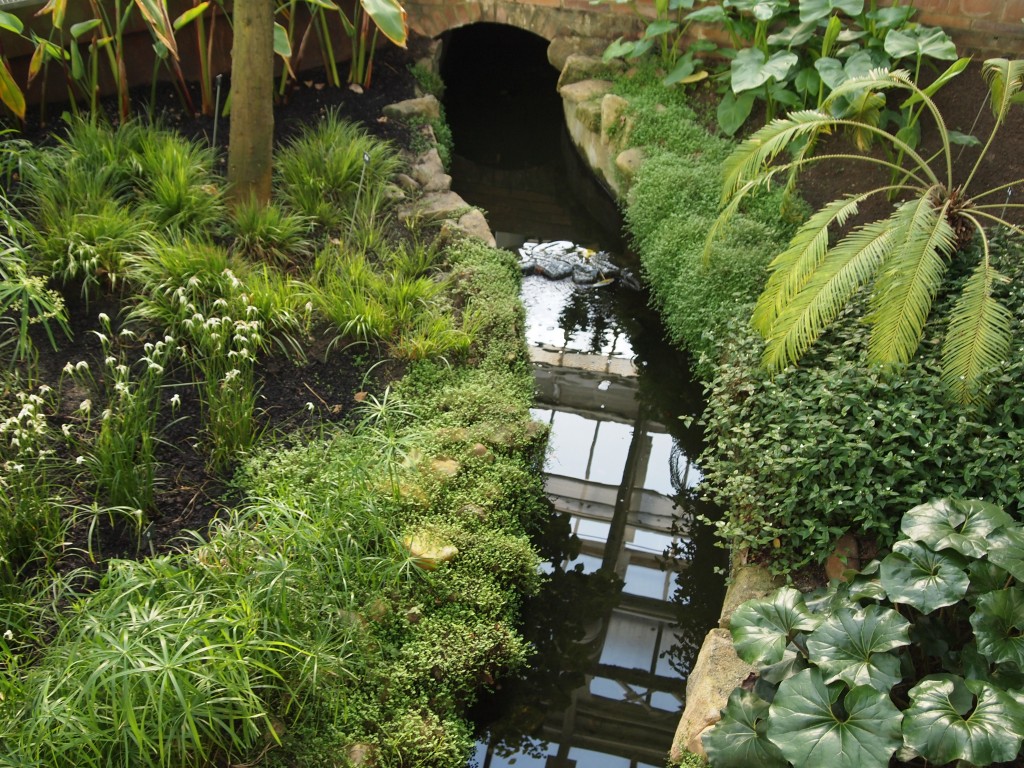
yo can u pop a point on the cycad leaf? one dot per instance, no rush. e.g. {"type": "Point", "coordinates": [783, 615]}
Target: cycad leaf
{"type": "Point", "coordinates": [855, 646]}
{"type": "Point", "coordinates": [978, 336]}
{"type": "Point", "coordinates": [844, 270]}
{"type": "Point", "coordinates": [791, 268]}
{"type": "Point", "coordinates": [1005, 80]}
{"type": "Point", "coordinates": [910, 280]}
{"type": "Point", "coordinates": [754, 154]}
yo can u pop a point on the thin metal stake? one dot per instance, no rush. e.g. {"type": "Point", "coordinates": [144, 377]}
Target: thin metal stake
{"type": "Point", "coordinates": [359, 192]}
{"type": "Point", "coordinates": [216, 109]}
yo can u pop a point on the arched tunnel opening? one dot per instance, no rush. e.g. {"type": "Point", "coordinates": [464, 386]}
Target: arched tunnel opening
{"type": "Point", "coordinates": [512, 154]}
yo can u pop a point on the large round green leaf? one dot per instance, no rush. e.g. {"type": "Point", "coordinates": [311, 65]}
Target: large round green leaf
{"type": "Point", "coordinates": [738, 740]}
{"type": "Point", "coordinates": [855, 646]}
{"type": "Point", "coordinates": [998, 622]}
{"type": "Point", "coordinates": [920, 41]}
{"type": "Point", "coordinates": [751, 68]}
{"type": "Point", "coordinates": [1006, 549]}
{"type": "Point", "coordinates": [815, 10]}
{"type": "Point", "coordinates": [941, 725]}
{"type": "Point", "coordinates": [761, 629]}
{"type": "Point", "coordinates": [814, 724]}
{"type": "Point", "coordinates": [917, 576]}
{"type": "Point", "coordinates": [954, 524]}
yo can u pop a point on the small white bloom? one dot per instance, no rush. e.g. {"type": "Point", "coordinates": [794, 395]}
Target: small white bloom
{"type": "Point", "coordinates": [69, 368]}
{"type": "Point", "coordinates": [8, 635]}
{"type": "Point", "coordinates": [310, 407]}
{"type": "Point", "coordinates": [81, 365]}
{"type": "Point", "coordinates": [175, 401]}
{"type": "Point", "coordinates": [80, 460]}
{"type": "Point", "coordinates": [104, 317]}
{"type": "Point", "coordinates": [66, 429]}
{"type": "Point", "coordinates": [107, 413]}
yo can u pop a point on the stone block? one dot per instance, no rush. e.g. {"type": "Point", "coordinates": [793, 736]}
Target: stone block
{"type": "Point", "coordinates": [425, 106]}
{"type": "Point", "coordinates": [614, 121]}
{"type": "Point", "coordinates": [562, 47]}
{"type": "Point", "coordinates": [717, 671]}
{"type": "Point", "coordinates": [748, 582]}
{"type": "Point", "coordinates": [584, 90]}
{"type": "Point", "coordinates": [579, 67]}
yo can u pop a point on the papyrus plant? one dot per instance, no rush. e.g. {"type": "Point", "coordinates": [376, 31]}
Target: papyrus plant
{"type": "Point", "coordinates": [903, 257]}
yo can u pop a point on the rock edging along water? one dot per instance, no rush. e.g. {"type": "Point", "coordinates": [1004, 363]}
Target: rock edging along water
{"type": "Point", "coordinates": [599, 125]}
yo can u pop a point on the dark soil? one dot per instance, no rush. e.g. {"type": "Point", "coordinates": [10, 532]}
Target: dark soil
{"type": "Point", "coordinates": [294, 394]}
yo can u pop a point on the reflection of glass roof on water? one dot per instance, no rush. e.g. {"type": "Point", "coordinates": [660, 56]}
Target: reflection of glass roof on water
{"type": "Point", "coordinates": [563, 315]}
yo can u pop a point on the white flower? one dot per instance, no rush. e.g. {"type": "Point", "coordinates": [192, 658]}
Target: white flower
{"type": "Point", "coordinates": [110, 360]}
{"type": "Point", "coordinates": [69, 368]}
{"type": "Point", "coordinates": [85, 406]}
{"type": "Point", "coordinates": [66, 429]}
{"type": "Point", "coordinates": [175, 401]}
{"type": "Point", "coordinates": [81, 365]}
{"type": "Point", "coordinates": [8, 635]}
{"type": "Point", "coordinates": [310, 407]}
{"type": "Point", "coordinates": [80, 460]}
{"type": "Point", "coordinates": [104, 317]}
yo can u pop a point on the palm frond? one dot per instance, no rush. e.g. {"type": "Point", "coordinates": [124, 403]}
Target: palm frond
{"type": "Point", "coordinates": [978, 337]}
{"type": "Point", "coordinates": [844, 270]}
{"type": "Point", "coordinates": [729, 211]}
{"type": "Point", "coordinates": [750, 159]}
{"type": "Point", "coordinates": [791, 268]}
{"type": "Point", "coordinates": [910, 280]}
{"type": "Point", "coordinates": [1005, 79]}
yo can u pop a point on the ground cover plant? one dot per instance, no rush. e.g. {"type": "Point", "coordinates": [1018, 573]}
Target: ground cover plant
{"type": "Point", "coordinates": [374, 474]}
{"type": "Point", "coordinates": [918, 656]}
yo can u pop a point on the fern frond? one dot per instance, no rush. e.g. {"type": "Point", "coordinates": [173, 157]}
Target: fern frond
{"type": "Point", "coordinates": [909, 281]}
{"type": "Point", "coordinates": [845, 269]}
{"type": "Point", "coordinates": [729, 211]}
{"type": "Point", "coordinates": [978, 337]}
{"type": "Point", "coordinates": [1005, 79]}
{"type": "Point", "coordinates": [753, 155]}
{"type": "Point", "coordinates": [791, 268]}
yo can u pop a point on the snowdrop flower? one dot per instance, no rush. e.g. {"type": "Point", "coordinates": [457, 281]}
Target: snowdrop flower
{"type": "Point", "coordinates": [69, 368]}
{"type": "Point", "coordinates": [66, 429]}
{"type": "Point", "coordinates": [80, 460]}
{"type": "Point", "coordinates": [8, 635]}
{"type": "Point", "coordinates": [175, 400]}
{"type": "Point", "coordinates": [109, 360]}
{"type": "Point", "coordinates": [104, 318]}
{"type": "Point", "coordinates": [310, 407]}
{"type": "Point", "coordinates": [85, 406]}
{"type": "Point", "coordinates": [81, 365]}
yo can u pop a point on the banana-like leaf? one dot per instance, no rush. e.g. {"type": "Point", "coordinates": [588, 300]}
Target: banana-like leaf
{"type": "Point", "coordinates": [819, 725]}
{"type": "Point", "coordinates": [761, 629]}
{"type": "Point", "coordinates": [962, 525]}
{"type": "Point", "coordinates": [907, 286]}
{"type": "Point", "coordinates": [977, 338]}
{"type": "Point", "coordinates": [844, 270]}
{"type": "Point", "coordinates": [1005, 78]}
{"type": "Point", "coordinates": [10, 94]}
{"type": "Point", "coordinates": [916, 575]}
{"type": "Point", "coordinates": [753, 155]}
{"type": "Point", "coordinates": [791, 268]}
{"type": "Point", "coordinates": [942, 727]}
{"type": "Point", "coordinates": [11, 23]}
{"type": "Point", "coordinates": [159, 23]}
{"type": "Point", "coordinates": [998, 622]}
{"type": "Point", "coordinates": [855, 646]}
{"type": "Point", "coordinates": [84, 27]}
{"type": "Point", "coordinates": [190, 15]}
{"type": "Point", "coordinates": [738, 740]}
{"type": "Point", "coordinates": [954, 69]}
{"type": "Point", "coordinates": [390, 18]}
{"type": "Point", "coordinates": [58, 9]}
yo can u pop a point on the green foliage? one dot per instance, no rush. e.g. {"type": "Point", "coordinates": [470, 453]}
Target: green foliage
{"type": "Point", "coordinates": [861, 442]}
{"type": "Point", "coordinates": [905, 255]}
{"type": "Point", "coordinates": [25, 300]}
{"type": "Point", "coordinates": [669, 215]}
{"type": "Point", "coordinates": [322, 171]}
{"type": "Point", "coordinates": [270, 233]}
{"type": "Point", "coordinates": [895, 660]}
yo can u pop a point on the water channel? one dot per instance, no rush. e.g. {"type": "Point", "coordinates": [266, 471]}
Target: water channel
{"type": "Point", "coordinates": [632, 586]}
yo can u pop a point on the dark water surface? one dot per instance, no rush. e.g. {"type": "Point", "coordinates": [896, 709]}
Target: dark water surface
{"type": "Point", "coordinates": [632, 588]}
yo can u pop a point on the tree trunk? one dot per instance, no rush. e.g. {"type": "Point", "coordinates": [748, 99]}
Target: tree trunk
{"type": "Point", "coordinates": [251, 146]}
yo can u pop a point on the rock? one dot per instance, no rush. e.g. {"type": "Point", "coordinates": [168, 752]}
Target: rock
{"type": "Point", "coordinates": [406, 182]}
{"type": "Point", "coordinates": [527, 266]}
{"type": "Point", "coordinates": [585, 90]}
{"type": "Point", "coordinates": [717, 671]}
{"type": "Point", "coordinates": [628, 163]}
{"type": "Point", "coordinates": [425, 106]}
{"type": "Point", "coordinates": [429, 551]}
{"type": "Point", "coordinates": [604, 265]}
{"type": "Point", "coordinates": [579, 67]}
{"type": "Point", "coordinates": [614, 122]}
{"type": "Point", "coordinates": [429, 173]}
{"type": "Point", "coordinates": [361, 755]}
{"type": "Point", "coordinates": [562, 47]}
{"type": "Point", "coordinates": [474, 224]}
{"type": "Point", "coordinates": [446, 467]}
{"type": "Point", "coordinates": [748, 582]}
{"type": "Point", "coordinates": [845, 557]}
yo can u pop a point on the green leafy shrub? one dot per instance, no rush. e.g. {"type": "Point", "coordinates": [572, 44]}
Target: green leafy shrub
{"type": "Point", "coordinates": [919, 656]}
{"type": "Point", "coordinates": [797, 459]}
